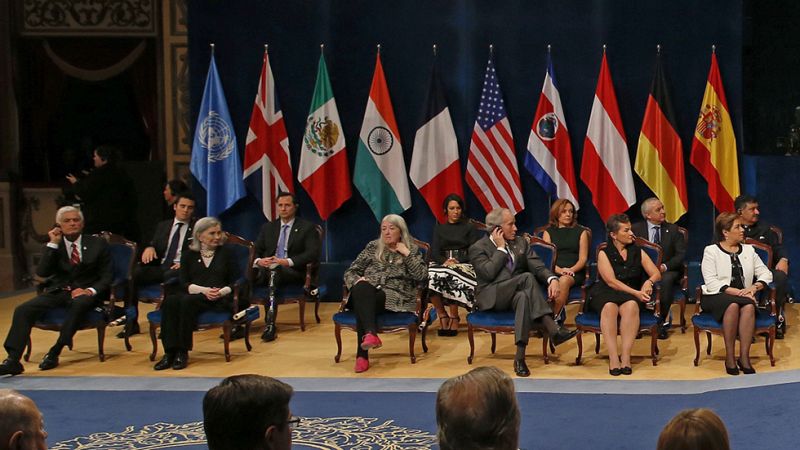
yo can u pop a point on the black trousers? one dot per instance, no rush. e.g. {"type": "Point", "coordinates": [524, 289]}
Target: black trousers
{"type": "Point", "coordinates": [366, 302]}
{"type": "Point", "coordinates": [179, 319]}
{"type": "Point", "coordinates": [667, 295]}
{"type": "Point", "coordinates": [283, 276]}
{"type": "Point", "coordinates": [26, 315]}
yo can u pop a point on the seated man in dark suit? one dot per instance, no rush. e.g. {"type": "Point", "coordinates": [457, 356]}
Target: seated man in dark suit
{"type": "Point", "coordinates": [287, 246]}
{"type": "Point", "coordinates": [656, 229]}
{"type": "Point", "coordinates": [77, 271]}
{"type": "Point", "coordinates": [508, 276]}
{"type": "Point", "coordinates": [747, 208]}
{"type": "Point", "coordinates": [161, 260]}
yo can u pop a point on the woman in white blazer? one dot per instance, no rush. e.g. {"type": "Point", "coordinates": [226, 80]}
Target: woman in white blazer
{"type": "Point", "coordinates": [733, 273]}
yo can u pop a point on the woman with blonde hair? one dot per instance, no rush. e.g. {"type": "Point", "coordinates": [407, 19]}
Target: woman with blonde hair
{"type": "Point", "coordinates": [383, 277]}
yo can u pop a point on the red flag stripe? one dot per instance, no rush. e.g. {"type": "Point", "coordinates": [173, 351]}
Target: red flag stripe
{"type": "Point", "coordinates": [498, 168]}
{"type": "Point", "coordinates": [667, 143]}
{"type": "Point", "coordinates": [611, 201]}
{"type": "Point", "coordinates": [701, 160]}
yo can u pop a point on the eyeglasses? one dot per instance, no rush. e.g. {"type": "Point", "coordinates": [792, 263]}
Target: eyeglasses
{"type": "Point", "coordinates": [293, 422]}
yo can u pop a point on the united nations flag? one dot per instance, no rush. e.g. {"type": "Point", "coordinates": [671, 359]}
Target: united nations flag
{"type": "Point", "coordinates": [215, 156]}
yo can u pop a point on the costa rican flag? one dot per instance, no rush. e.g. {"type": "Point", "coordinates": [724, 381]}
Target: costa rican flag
{"type": "Point", "coordinates": [267, 167]}
{"type": "Point", "coordinates": [549, 157]}
{"type": "Point", "coordinates": [492, 171]}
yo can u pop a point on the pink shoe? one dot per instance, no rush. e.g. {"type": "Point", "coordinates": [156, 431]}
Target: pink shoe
{"type": "Point", "coordinates": [370, 341]}
{"type": "Point", "coordinates": [362, 364]}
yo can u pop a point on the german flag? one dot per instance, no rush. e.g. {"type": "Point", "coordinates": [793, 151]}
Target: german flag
{"type": "Point", "coordinates": [659, 156]}
{"type": "Point", "coordinates": [714, 144]}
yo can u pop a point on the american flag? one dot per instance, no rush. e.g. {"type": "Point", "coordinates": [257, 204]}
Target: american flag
{"type": "Point", "coordinates": [267, 167]}
{"type": "Point", "coordinates": [492, 171]}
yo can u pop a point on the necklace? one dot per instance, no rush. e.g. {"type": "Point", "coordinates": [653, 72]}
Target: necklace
{"type": "Point", "coordinates": [205, 253]}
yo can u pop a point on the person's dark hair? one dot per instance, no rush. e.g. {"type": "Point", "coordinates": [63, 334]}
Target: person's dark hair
{"type": "Point", "coordinates": [454, 198]}
{"type": "Point", "coordinates": [184, 194]}
{"type": "Point", "coordinates": [238, 411]}
{"type": "Point", "coordinates": [557, 207]}
{"type": "Point", "coordinates": [107, 153]}
{"type": "Point", "coordinates": [615, 221]}
{"type": "Point", "coordinates": [694, 429]}
{"type": "Point", "coordinates": [177, 186]}
{"type": "Point", "coordinates": [287, 194]}
{"type": "Point", "coordinates": [741, 201]}
{"type": "Point", "coordinates": [478, 410]}
{"type": "Point", "coordinates": [724, 222]}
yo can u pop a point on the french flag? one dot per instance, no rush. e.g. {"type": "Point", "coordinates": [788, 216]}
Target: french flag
{"type": "Point", "coordinates": [549, 157]}
{"type": "Point", "coordinates": [606, 165]}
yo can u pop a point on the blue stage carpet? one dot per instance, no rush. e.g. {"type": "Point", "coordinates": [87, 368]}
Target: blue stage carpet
{"type": "Point", "coordinates": [757, 417]}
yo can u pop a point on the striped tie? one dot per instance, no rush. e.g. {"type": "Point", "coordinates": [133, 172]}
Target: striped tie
{"type": "Point", "coordinates": [75, 257]}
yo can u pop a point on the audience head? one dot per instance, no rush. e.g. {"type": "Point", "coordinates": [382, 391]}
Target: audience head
{"type": "Point", "coordinates": [747, 208]}
{"type": "Point", "coordinates": [503, 218]}
{"type": "Point", "coordinates": [70, 219]}
{"type": "Point", "coordinates": [393, 230]}
{"type": "Point", "coordinates": [104, 154]}
{"type": "Point", "coordinates": [287, 205]}
{"type": "Point", "coordinates": [728, 226]}
{"type": "Point", "coordinates": [207, 231]}
{"type": "Point", "coordinates": [478, 410]}
{"type": "Point", "coordinates": [173, 189]}
{"type": "Point", "coordinates": [184, 207]}
{"type": "Point", "coordinates": [21, 423]}
{"type": "Point", "coordinates": [619, 228]}
{"type": "Point", "coordinates": [454, 209]}
{"type": "Point", "coordinates": [694, 429]}
{"type": "Point", "coordinates": [562, 213]}
{"type": "Point", "coordinates": [653, 211]}
{"type": "Point", "coordinates": [248, 412]}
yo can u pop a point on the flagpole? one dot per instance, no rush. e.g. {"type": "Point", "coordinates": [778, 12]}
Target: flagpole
{"type": "Point", "coordinates": [212, 49]}
{"type": "Point", "coordinates": [550, 197]}
{"type": "Point", "coordinates": [434, 49]}
{"type": "Point", "coordinates": [325, 222]}
{"type": "Point", "coordinates": [713, 210]}
{"type": "Point", "coordinates": [491, 50]}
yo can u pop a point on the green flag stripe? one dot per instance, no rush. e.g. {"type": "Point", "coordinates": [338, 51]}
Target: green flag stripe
{"type": "Point", "coordinates": [373, 186]}
{"type": "Point", "coordinates": [322, 90]}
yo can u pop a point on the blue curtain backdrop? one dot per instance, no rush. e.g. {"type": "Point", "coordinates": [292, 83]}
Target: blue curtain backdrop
{"type": "Point", "coordinates": [520, 31]}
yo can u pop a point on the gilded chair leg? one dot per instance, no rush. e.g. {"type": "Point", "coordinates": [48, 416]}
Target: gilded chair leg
{"type": "Point", "coordinates": [153, 340]}
{"type": "Point", "coordinates": [337, 332]}
{"type": "Point", "coordinates": [471, 339]}
{"type": "Point", "coordinates": [301, 305]}
{"type": "Point", "coordinates": [696, 346]}
{"type": "Point", "coordinates": [412, 337]}
{"type": "Point", "coordinates": [101, 339]}
{"type": "Point", "coordinates": [226, 338]}
{"type": "Point", "coordinates": [579, 338]}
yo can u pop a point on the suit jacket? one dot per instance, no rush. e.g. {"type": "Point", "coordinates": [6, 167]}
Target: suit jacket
{"type": "Point", "coordinates": [302, 247]}
{"type": "Point", "coordinates": [672, 242]}
{"type": "Point", "coordinates": [490, 267]}
{"type": "Point", "coordinates": [94, 270]}
{"type": "Point", "coordinates": [161, 239]}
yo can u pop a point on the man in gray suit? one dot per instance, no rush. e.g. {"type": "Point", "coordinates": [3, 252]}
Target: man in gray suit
{"type": "Point", "coordinates": [508, 276]}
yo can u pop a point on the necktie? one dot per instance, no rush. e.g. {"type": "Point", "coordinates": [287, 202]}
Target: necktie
{"type": "Point", "coordinates": [509, 259]}
{"type": "Point", "coordinates": [172, 251]}
{"type": "Point", "coordinates": [75, 257]}
{"type": "Point", "coordinates": [280, 252]}
{"type": "Point", "coordinates": [657, 234]}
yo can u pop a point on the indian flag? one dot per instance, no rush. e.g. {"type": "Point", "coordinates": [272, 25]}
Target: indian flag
{"type": "Point", "coordinates": [323, 170]}
{"type": "Point", "coordinates": [380, 171]}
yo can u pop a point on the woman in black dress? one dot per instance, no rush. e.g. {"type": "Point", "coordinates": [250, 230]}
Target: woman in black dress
{"type": "Point", "coordinates": [729, 268]}
{"type": "Point", "coordinates": [451, 279]}
{"type": "Point", "coordinates": [620, 292]}
{"type": "Point", "coordinates": [572, 242]}
{"type": "Point", "coordinates": [207, 274]}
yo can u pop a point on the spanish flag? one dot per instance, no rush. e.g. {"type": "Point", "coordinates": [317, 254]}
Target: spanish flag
{"type": "Point", "coordinates": [659, 156]}
{"type": "Point", "coordinates": [714, 144]}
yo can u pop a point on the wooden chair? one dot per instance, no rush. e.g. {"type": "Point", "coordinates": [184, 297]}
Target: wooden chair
{"type": "Point", "coordinates": [310, 290]}
{"type": "Point", "coordinates": [388, 322]}
{"type": "Point", "coordinates": [589, 321]}
{"type": "Point", "coordinates": [766, 314]}
{"type": "Point", "coordinates": [502, 322]}
{"type": "Point", "coordinates": [123, 256]}
{"type": "Point", "coordinates": [245, 254]}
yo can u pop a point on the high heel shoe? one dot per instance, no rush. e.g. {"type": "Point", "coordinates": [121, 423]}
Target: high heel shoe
{"type": "Point", "coordinates": [615, 372]}
{"type": "Point", "coordinates": [444, 326]}
{"type": "Point", "coordinates": [732, 370]}
{"type": "Point", "coordinates": [745, 370]}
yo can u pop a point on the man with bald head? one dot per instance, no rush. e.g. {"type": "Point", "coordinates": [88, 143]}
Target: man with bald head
{"type": "Point", "coordinates": [21, 423]}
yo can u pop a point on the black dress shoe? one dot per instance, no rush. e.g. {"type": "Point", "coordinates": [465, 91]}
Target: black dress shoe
{"type": "Point", "coordinates": [745, 370]}
{"type": "Point", "coordinates": [165, 363]}
{"type": "Point", "coordinates": [732, 370]}
{"type": "Point", "coordinates": [236, 333]}
{"type": "Point", "coordinates": [627, 370]}
{"type": "Point", "coordinates": [615, 372]}
{"type": "Point", "coordinates": [11, 367]}
{"type": "Point", "coordinates": [134, 330]}
{"type": "Point", "coordinates": [50, 361]}
{"type": "Point", "coordinates": [269, 333]}
{"type": "Point", "coordinates": [562, 335]}
{"type": "Point", "coordinates": [662, 332]}
{"type": "Point", "coordinates": [520, 368]}
{"type": "Point", "coordinates": [779, 333]}
{"type": "Point", "coordinates": [181, 361]}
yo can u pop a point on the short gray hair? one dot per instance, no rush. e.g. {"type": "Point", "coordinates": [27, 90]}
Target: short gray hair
{"type": "Point", "coordinates": [65, 209]}
{"type": "Point", "coordinates": [405, 235]}
{"type": "Point", "coordinates": [647, 205]}
{"type": "Point", "coordinates": [495, 217]}
{"type": "Point", "coordinates": [15, 415]}
{"type": "Point", "coordinates": [199, 227]}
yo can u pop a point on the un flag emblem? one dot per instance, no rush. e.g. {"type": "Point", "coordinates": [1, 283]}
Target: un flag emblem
{"type": "Point", "coordinates": [216, 136]}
